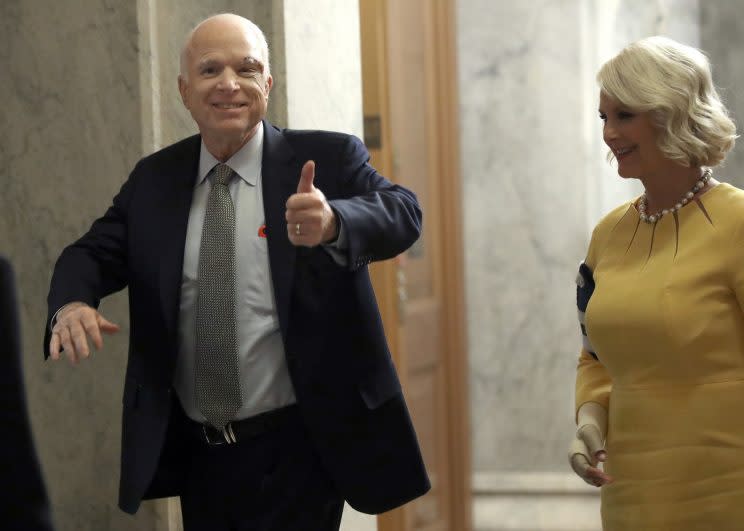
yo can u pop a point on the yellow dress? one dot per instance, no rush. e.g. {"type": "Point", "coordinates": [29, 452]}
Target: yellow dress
{"type": "Point", "coordinates": [666, 320]}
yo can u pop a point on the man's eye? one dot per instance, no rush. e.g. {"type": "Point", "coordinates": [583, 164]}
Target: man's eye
{"type": "Point", "coordinates": [624, 115]}
{"type": "Point", "coordinates": [603, 117]}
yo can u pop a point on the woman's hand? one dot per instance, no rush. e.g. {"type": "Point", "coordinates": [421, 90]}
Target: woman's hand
{"type": "Point", "coordinates": [587, 449]}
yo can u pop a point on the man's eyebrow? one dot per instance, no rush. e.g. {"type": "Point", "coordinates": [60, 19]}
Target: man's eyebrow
{"type": "Point", "coordinates": [252, 61]}
{"type": "Point", "coordinates": [207, 62]}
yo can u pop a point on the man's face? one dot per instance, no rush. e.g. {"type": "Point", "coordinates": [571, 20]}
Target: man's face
{"type": "Point", "coordinates": [225, 85]}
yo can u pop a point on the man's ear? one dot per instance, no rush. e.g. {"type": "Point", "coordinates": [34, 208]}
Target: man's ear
{"type": "Point", "coordinates": [183, 89]}
{"type": "Point", "coordinates": [269, 84]}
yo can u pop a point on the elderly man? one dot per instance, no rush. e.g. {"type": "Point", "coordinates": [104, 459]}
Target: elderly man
{"type": "Point", "coordinates": [259, 385]}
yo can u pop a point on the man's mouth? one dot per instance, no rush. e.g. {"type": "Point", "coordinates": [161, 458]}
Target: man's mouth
{"type": "Point", "coordinates": [228, 105]}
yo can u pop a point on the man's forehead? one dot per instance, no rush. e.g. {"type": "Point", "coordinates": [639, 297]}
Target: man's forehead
{"type": "Point", "coordinates": [222, 36]}
{"type": "Point", "coordinates": [204, 47]}
{"type": "Point", "coordinates": [224, 30]}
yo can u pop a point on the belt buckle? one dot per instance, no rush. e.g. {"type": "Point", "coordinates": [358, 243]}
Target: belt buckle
{"type": "Point", "coordinates": [225, 436]}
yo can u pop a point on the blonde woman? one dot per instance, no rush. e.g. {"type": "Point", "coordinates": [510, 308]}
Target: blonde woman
{"type": "Point", "coordinates": [660, 380]}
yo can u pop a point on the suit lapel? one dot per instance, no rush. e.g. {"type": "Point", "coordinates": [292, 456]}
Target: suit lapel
{"type": "Point", "coordinates": [178, 182]}
{"type": "Point", "coordinates": [280, 173]}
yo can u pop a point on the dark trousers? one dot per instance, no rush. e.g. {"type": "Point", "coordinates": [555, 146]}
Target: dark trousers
{"type": "Point", "coordinates": [273, 481]}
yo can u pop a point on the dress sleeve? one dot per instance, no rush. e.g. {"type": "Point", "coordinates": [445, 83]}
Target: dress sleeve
{"type": "Point", "coordinates": [737, 265]}
{"type": "Point", "coordinates": [593, 383]}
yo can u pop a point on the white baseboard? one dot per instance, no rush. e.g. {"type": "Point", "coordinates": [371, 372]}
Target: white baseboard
{"type": "Point", "coordinates": [534, 501]}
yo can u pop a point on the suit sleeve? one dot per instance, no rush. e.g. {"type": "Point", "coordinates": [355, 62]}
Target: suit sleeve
{"type": "Point", "coordinates": [95, 265]}
{"type": "Point", "coordinates": [593, 382]}
{"type": "Point", "coordinates": [381, 219]}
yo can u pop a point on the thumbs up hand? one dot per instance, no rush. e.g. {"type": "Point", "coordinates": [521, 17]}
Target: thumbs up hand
{"type": "Point", "coordinates": [307, 175]}
{"type": "Point", "coordinates": [310, 219]}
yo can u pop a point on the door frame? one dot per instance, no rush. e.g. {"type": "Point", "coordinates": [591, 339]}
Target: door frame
{"type": "Point", "coordinates": [443, 132]}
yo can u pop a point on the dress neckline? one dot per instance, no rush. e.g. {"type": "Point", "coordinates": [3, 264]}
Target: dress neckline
{"type": "Point", "coordinates": [634, 202]}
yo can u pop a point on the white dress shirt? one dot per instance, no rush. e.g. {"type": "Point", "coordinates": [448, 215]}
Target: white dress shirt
{"type": "Point", "coordinates": [264, 377]}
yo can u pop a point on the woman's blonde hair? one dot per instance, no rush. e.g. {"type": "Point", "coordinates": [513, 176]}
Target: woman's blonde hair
{"type": "Point", "coordinates": [673, 82]}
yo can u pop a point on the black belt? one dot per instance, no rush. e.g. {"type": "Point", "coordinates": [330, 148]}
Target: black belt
{"type": "Point", "coordinates": [240, 430]}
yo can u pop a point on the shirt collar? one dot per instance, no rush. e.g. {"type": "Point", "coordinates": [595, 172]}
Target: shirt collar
{"type": "Point", "coordinates": [246, 162]}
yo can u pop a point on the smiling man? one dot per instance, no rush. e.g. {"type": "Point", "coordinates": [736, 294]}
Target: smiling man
{"type": "Point", "coordinates": [259, 385]}
{"type": "Point", "coordinates": [225, 82]}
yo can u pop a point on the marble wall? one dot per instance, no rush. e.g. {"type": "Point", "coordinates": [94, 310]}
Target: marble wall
{"type": "Point", "coordinates": [722, 38]}
{"type": "Point", "coordinates": [71, 133]}
{"type": "Point", "coordinates": [522, 145]}
{"type": "Point", "coordinates": [323, 66]}
{"type": "Point", "coordinates": [88, 88]}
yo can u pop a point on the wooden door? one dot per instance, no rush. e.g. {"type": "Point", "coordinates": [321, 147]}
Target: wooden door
{"type": "Point", "coordinates": [410, 106]}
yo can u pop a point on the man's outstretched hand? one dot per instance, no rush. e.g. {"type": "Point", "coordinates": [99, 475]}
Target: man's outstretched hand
{"type": "Point", "coordinates": [76, 324]}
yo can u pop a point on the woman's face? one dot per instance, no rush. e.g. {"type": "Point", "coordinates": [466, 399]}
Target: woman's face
{"type": "Point", "coordinates": [632, 136]}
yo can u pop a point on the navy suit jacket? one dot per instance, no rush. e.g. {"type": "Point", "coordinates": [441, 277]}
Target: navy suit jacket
{"type": "Point", "coordinates": [341, 369]}
{"type": "Point", "coordinates": [23, 505]}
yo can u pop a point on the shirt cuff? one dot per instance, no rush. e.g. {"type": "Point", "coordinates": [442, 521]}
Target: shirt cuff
{"type": "Point", "coordinates": [338, 248]}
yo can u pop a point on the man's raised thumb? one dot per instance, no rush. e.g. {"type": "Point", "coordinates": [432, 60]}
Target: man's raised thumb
{"type": "Point", "coordinates": [307, 175]}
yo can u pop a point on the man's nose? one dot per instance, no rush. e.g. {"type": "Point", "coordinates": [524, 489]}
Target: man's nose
{"type": "Point", "coordinates": [229, 81]}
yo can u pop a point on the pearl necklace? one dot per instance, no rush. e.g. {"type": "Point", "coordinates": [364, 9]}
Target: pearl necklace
{"type": "Point", "coordinates": [653, 218]}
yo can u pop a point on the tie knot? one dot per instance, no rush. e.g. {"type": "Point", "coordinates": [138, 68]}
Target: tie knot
{"type": "Point", "coordinates": [222, 174]}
